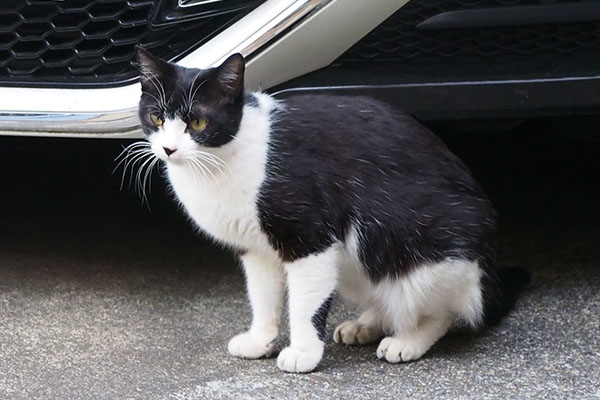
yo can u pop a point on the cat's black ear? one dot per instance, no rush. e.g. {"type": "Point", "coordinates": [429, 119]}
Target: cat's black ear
{"type": "Point", "coordinates": [150, 67]}
{"type": "Point", "coordinates": [229, 80]}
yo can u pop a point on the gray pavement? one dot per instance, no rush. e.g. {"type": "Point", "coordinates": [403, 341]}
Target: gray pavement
{"type": "Point", "coordinates": [101, 298]}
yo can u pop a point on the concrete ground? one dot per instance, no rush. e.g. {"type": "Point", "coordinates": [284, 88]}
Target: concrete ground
{"type": "Point", "coordinates": [102, 298]}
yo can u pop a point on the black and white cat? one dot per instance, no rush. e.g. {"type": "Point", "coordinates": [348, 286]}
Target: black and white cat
{"type": "Point", "coordinates": [324, 194]}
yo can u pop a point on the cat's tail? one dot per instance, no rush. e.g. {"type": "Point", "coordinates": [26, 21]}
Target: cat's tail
{"type": "Point", "coordinates": [501, 288]}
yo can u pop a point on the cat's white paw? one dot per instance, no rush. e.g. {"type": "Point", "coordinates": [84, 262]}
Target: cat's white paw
{"type": "Point", "coordinates": [395, 349]}
{"type": "Point", "coordinates": [246, 345]}
{"type": "Point", "coordinates": [294, 360]}
{"type": "Point", "coordinates": [355, 333]}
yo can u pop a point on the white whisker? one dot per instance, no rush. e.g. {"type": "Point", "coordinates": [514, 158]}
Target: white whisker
{"type": "Point", "coordinates": [154, 97]}
{"type": "Point", "coordinates": [130, 162]}
{"type": "Point", "coordinates": [147, 179]}
{"type": "Point", "coordinates": [195, 171]}
{"type": "Point", "coordinates": [214, 159]}
{"type": "Point", "coordinates": [153, 79]}
{"type": "Point", "coordinates": [138, 175]}
{"type": "Point", "coordinates": [197, 178]}
{"type": "Point", "coordinates": [205, 169]}
{"type": "Point", "coordinates": [191, 98]}
{"type": "Point", "coordinates": [210, 161]}
{"type": "Point", "coordinates": [126, 150]}
{"type": "Point", "coordinates": [137, 156]}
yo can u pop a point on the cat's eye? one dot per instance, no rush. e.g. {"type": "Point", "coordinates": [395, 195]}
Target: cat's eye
{"type": "Point", "coordinates": [198, 124]}
{"type": "Point", "coordinates": [156, 119]}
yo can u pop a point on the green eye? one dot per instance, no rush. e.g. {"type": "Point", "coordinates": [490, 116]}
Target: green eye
{"type": "Point", "coordinates": [198, 124]}
{"type": "Point", "coordinates": [156, 120]}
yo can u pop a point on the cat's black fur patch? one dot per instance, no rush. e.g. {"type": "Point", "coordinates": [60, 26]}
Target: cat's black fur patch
{"type": "Point", "coordinates": [501, 288]}
{"type": "Point", "coordinates": [319, 320]}
{"type": "Point", "coordinates": [336, 162]}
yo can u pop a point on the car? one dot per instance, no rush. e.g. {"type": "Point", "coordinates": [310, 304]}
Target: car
{"type": "Point", "coordinates": [66, 66]}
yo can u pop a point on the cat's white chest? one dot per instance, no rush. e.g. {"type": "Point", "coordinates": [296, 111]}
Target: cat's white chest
{"type": "Point", "coordinates": [223, 202]}
{"type": "Point", "coordinates": [225, 209]}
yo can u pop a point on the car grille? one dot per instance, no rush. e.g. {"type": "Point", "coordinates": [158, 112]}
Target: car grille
{"type": "Point", "coordinates": [91, 42]}
{"type": "Point", "coordinates": [398, 39]}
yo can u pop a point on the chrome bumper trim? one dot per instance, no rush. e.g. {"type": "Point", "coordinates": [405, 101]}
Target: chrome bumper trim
{"type": "Point", "coordinates": [123, 124]}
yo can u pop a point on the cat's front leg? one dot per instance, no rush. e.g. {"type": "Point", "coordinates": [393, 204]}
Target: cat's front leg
{"type": "Point", "coordinates": [265, 281]}
{"type": "Point", "coordinates": [311, 282]}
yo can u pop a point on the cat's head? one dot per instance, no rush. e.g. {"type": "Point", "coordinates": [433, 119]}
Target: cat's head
{"type": "Point", "coordinates": [185, 110]}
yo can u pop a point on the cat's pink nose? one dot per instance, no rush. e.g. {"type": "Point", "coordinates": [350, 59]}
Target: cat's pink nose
{"type": "Point", "coordinates": [169, 151]}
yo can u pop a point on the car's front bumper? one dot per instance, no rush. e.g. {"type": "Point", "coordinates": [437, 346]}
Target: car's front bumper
{"type": "Point", "coordinates": [273, 37]}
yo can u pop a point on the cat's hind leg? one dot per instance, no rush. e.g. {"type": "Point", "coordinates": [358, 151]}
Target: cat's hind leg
{"type": "Point", "coordinates": [366, 329]}
{"type": "Point", "coordinates": [420, 306]}
{"type": "Point", "coordinates": [411, 345]}
{"type": "Point", "coordinates": [311, 282]}
{"type": "Point", "coordinates": [265, 281]}
{"type": "Point", "coordinates": [356, 289]}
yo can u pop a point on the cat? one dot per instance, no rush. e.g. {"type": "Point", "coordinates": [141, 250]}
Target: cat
{"type": "Point", "coordinates": [321, 194]}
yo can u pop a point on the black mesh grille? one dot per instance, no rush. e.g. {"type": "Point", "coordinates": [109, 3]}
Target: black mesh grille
{"type": "Point", "coordinates": [91, 42]}
{"type": "Point", "coordinates": [399, 40]}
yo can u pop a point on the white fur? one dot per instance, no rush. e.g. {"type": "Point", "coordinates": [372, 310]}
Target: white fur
{"type": "Point", "coordinates": [223, 201]}
{"type": "Point", "coordinates": [220, 196]}
{"type": "Point", "coordinates": [170, 137]}
{"type": "Point", "coordinates": [416, 310]}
